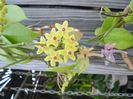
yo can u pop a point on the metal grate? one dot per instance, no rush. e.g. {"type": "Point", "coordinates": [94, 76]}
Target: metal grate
{"type": "Point", "coordinates": [31, 85]}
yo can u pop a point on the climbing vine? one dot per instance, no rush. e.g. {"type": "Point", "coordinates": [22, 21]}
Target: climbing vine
{"type": "Point", "coordinates": [19, 44]}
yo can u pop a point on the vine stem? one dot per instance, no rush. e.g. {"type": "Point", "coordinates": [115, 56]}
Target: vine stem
{"type": "Point", "coordinates": [13, 63]}
{"type": "Point", "coordinates": [125, 12]}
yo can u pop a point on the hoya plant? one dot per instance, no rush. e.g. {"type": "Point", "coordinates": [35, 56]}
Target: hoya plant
{"type": "Point", "coordinates": [60, 45]}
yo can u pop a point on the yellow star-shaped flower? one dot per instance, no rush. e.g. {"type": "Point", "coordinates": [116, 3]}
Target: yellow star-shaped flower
{"type": "Point", "coordinates": [64, 29]}
{"type": "Point", "coordinates": [68, 53]}
{"type": "Point", "coordinates": [70, 41]}
{"type": "Point", "coordinates": [54, 57]}
{"type": "Point", "coordinates": [53, 38]}
{"type": "Point", "coordinates": [42, 46]}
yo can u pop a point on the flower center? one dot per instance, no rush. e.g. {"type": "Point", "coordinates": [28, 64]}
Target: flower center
{"type": "Point", "coordinates": [55, 57]}
{"type": "Point", "coordinates": [63, 29]}
{"type": "Point", "coordinates": [69, 53]}
{"type": "Point", "coordinates": [43, 45]}
{"type": "Point", "coordinates": [72, 39]}
{"type": "Point", "coordinates": [54, 38]}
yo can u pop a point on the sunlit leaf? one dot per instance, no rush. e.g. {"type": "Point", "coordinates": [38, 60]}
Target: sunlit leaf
{"type": "Point", "coordinates": [15, 14]}
{"type": "Point", "coordinates": [131, 5]}
{"type": "Point", "coordinates": [129, 19]}
{"type": "Point", "coordinates": [18, 33]}
{"type": "Point", "coordinates": [121, 37]}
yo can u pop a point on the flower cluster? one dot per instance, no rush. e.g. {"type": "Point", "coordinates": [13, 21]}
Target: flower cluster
{"type": "Point", "coordinates": [59, 45]}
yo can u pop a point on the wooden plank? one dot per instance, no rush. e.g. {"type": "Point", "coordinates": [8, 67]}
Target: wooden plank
{"type": "Point", "coordinates": [92, 68]}
{"type": "Point", "coordinates": [120, 4]}
{"type": "Point", "coordinates": [87, 20]}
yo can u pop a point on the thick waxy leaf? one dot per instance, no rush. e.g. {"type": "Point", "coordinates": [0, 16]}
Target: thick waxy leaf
{"type": "Point", "coordinates": [98, 31]}
{"type": "Point", "coordinates": [121, 37]}
{"type": "Point", "coordinates": [129, 19]}
{"type": "Point", "coordinates": [131, 5]}
{"type": "Point", "coordinates": [106, 24]}
{"type": "Point", "coordinates": [15, 14]}
{"type": "Point", "coordinates": [17, 33]}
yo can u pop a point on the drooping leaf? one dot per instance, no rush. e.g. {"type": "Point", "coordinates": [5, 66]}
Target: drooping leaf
{"type": "Point", "coordinates": [18, 33]}
{"type": "Point", "coordinates": [82, 64]}
{"type": "Point", "coordinates": [15, 14]}
{"type": "Point", "coordinates": [129, 19]}
{"type": "Point", "coordinates": [121, 37]}
{"type": "Point", "coordinates": [6, 57]}
{"type": "Point", "coordinates": [11, 51]}
{"type": "Point", "coordinates": [131, 5]}
{"type": "Point", "coordinates": [62, 68]}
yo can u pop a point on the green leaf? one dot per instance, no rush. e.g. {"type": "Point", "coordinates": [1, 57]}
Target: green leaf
{"type": "Point", "coordinates": [101, 86]}
{"type": "Point", "coordinates": [131, 5]}
{"type": "Point", "coordinates": [106, 9]}
{"type": "Point", "coordinates": [18, 33]}
{"type": "Point", "coordinates": [129, 19]}
{"type": "Point", "coordinates": [15, 14]}
{"type": "Point", "coordinates": [11, 52]}
{"type": "Point", "coordinates": [116, 87]}
{"type": "Point", "coordinates": [98, 31]}
{"type": "Point", "coordinates": [82, 64]}
{"type": "Point", "coordinates": [106, 24]}
{"type": "Point", "coordinates": [62, 68]}
{"type": "Point", "coordinates": [5, 56]}
{"type": "Point", "coordinates": [86, 85]}
{"type": "Point", "coordinates": [121, 37]}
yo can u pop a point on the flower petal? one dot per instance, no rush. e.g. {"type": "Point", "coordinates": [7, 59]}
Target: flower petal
{"type": "Point", "coordinates": [62, 52]}
{"type": "Point", "coordinates": [69, 29]}
{"type": "Point", "coordinates": [65, 59]}
{"type": "Point", "coordinates": [72, 57]}
{"type": "Point", "coordinates": [60, 60]}
{"type": "Point", "coordinates": [52, 63]}
{"type": "Point", "coordinates": [65, 24]}
{"type": "Point", "coordinates": [47, 58]}
{"type": "Point", "coordinates": [58, 26]}
{"type": "Point", "coordinates": [42, 39]}
{"type": "Point", "coordinates": [53, 31]}
{"type": "Point", "coordinates": [39, 51]}
{"type": "Point", "coordinates": [47, 35]}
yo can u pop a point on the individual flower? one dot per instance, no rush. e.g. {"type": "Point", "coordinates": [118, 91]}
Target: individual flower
{"type": "Point", "coordinates": [68, 53]}
{"type": "Point", "coordinates": [109, 51]}
{"type": "Point", "coordinates": [87, 52]}
{"type": "Point", "coordinates": [64, 29]}
{"type": "Point", "coordinates": [70, 41]}
{"type": "Point", "coordinates": [54, 57]}
{"type": "Point", "coordinates": [42, 46]}
{"type": "Point", "coordinates": [53, 38]}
